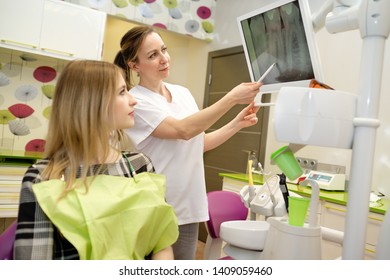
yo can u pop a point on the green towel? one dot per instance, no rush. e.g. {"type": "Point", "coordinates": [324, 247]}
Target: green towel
{"type": "Point", "coordinates": [119, 217]}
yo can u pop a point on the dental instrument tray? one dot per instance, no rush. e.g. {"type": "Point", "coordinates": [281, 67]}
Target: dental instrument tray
{"type": "Point", "coordinates": [262, 202]}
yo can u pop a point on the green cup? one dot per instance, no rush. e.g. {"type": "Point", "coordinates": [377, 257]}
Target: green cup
{"type": "Point", "coordinates": [297, 209]}
{"type": "Point", "coordinates": [286, 161]}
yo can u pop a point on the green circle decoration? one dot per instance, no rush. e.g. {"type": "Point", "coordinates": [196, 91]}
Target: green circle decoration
{"type": "Point", "coordinates": [48, 90]}
{"type": "Point", "coordinates": [170, 4]}
{"type": "Point", "coordinates": [46, 112]}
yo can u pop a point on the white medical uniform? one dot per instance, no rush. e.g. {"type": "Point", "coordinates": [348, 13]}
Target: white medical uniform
{"type": "Point", "coordinates": [179, 160]}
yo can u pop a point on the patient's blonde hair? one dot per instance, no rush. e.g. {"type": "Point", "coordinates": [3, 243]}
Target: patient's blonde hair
{"type": "Point", "coordinates": [82, 126]}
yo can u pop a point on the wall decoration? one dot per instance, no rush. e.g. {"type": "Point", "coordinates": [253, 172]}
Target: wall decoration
{"type": "Point", "coordinates": [44, 74]}
{"type": "Point", "coordinates": [18, 127]}
{"type": "Point", "coordinates": [21, 110]}
{"type": "Point", "coordinates": [4, 80]}
{"type": "Point", "coordinates": [26, 93]}
{"type": "Point", "coordinates": [5, 117]}
{"type": "Point", "coordinates": [35, 145]}
{"type": "Point", "coordinates": [12, 69]}
{"type": "Point", "coordinates": [26, 81]}
{"type": "Point", "coordinates": [189, 17]}
{"type": "Point", "coordinates": [48, 90]}
{"type": "Point", "coordinates": [46, 112]}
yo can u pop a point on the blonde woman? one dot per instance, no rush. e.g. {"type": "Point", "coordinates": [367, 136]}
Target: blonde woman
{"type": "Point", "coordinates": [85, 141]}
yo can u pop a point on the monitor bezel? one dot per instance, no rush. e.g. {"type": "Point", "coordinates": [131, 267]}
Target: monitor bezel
{"type": "Point", "coordinates": [310, 38]}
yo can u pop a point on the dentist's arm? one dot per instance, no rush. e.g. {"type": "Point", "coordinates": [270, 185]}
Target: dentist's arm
{"type": "Point", "coordinates": [247, 117]}
{"type": "Point", "coordinates": [191, 126]}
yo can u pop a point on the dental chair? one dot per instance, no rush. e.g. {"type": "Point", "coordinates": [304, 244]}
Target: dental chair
{"type": "Point", "coordinates": [7, 239]}
{"type": "Point", "coordinates": [223, 206]}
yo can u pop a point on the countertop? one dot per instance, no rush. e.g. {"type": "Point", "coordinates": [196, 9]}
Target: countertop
{"type": "Point", "coordinates": [338, 197]}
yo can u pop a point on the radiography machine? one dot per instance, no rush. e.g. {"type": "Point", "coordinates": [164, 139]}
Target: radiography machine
{"type": "Point", "coordinates": [353, 120]}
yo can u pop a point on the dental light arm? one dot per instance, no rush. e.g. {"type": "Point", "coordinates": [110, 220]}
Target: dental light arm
{"type": "Point", "coordinates": [318, 17]}
{"type": "Point", "coordinates": [372, 19]}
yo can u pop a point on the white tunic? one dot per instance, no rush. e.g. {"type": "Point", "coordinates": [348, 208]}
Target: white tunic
{"type": "Point", "coordinates": [180, 161]}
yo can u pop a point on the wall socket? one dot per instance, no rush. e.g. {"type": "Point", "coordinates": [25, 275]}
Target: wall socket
{"type": "Point", "coordinates": [307, 163]}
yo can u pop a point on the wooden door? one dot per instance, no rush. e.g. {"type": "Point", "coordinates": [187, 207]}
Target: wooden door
{"type": "Point", "coordinates": [226, 69]}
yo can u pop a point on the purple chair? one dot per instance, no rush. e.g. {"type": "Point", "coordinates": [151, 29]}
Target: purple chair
{"type": "Point", "coordinates": [7, 239]}
{"type": "Point", "coordinates": [223, 206]}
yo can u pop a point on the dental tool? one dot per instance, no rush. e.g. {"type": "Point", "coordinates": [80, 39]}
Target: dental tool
{"type": "Point", "coordinates": [266, 182]}
{"type": "Point", "coordinates": [258, 99]}
{"type": "Point", "coordinates": [266, 72]}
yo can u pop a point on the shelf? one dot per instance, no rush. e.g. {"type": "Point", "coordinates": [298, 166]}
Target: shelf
{"type": "Point", "coordinates": [18, 158]}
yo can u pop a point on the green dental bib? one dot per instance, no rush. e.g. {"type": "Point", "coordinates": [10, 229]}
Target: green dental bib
{"type": "Point", "coordinates": [119, 217]}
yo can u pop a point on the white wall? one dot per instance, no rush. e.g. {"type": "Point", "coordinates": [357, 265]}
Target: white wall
{"type": "Point", "coordinates": [340, 55]}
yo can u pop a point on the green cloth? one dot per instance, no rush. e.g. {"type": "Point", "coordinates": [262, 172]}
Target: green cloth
{"type": "Point", "coordinates": [119, 217]}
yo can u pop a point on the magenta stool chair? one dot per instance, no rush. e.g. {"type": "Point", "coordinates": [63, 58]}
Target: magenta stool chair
{"type": "Point", "coordinates": [223, 206]}
{"type": "Point", "coordinates": [7, 239]}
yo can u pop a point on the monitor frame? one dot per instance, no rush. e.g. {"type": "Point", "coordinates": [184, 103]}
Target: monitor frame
{"type": "Point", "coordinates": [270, 84]}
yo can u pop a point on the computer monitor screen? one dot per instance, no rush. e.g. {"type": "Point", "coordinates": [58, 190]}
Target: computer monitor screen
{"type": "Point", "coordinates": [281, 33]}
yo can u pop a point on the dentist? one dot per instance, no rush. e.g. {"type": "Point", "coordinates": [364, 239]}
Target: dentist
{"type": "Point", "coordinates": [169, 128]}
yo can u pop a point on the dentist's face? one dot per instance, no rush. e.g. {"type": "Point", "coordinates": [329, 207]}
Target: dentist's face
{"type": "Point", "coordinates": [153, 59]}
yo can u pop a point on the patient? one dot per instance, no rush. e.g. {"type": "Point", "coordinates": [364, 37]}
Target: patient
{"type": "Point", "coordinates": [89, 199]}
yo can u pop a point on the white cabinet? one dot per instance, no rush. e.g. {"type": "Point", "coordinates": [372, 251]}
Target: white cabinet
{"type": "Point", "coordinates": [73, 31]}
{"type": "Point", "coordinates": [20, 22]}
{"type": "Point", "coordinates": [52, 28]}
{"type": "Point", "coordinates": [333, 216]}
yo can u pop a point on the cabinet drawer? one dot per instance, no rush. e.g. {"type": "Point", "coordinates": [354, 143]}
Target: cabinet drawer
{"type": "Point", "coordinates": [373, 228]}
{"type": "Point", "coordinates": [232, 185]}
{"type": "Point", "coordinates": [333, 216]}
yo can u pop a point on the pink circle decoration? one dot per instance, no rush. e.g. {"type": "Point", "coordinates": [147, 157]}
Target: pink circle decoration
{"type": "Point", "coordinates": [35, 145]}
{"type": "Point", "coordinates": [20, 110]}
{"type": "Point", "coordinates": [45, 74]}
{"type": "Point", "coordinates": [149, 1]}
{"type": "Point", "coordinates": [160, 25]}
{"type": "Point", "coordinates": [203, 12]}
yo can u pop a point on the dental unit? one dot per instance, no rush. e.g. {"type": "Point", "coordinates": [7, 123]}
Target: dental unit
{"type": "Point", "coordinates": [327, 118]}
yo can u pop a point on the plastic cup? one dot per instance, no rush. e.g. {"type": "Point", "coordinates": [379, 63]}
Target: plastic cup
{"type": "Point", "coordinates": [286, 161]}
{"type": "Point", "coordinates": [297, 209]}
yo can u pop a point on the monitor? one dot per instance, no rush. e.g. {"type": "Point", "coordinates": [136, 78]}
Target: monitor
{"type": "Point", "coordinates": [281, 33]}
